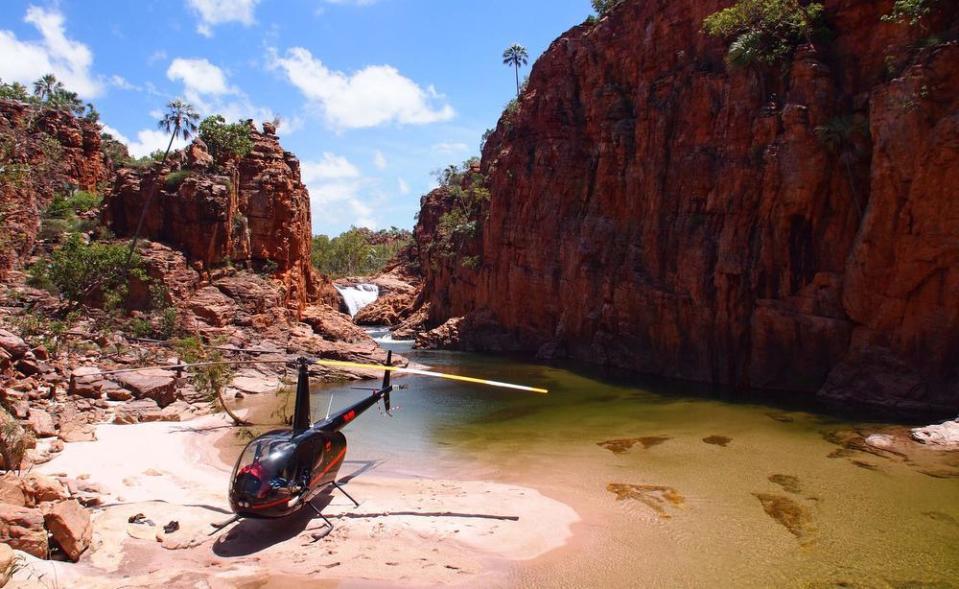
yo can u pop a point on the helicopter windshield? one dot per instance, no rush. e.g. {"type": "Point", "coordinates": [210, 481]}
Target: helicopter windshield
{"type": "Point", "coordinates": [266, 469]}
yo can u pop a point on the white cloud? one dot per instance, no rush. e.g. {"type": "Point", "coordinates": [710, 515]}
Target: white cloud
{"type": "Point", "coordinates": [404, 186]}
{"type": "Point", "coordinates": [157, 56]}
{"type": "Point", "coordinates": [116, 134]}
{"type": "Point", "coordinates": [352, 2]}
{"type": "Point", "coordinates": [448, 148]}
{"type": "Point", "coordinates": [70, 61]}
{"type": "Point", "coordinates": [331, 167]}
{"type": "Point", "coordinates": [215, 12]}
{"type": "Point", "coordinates": [199, 77]}
{"type": "Point", "coordinates": [122, 83]}
{"type": "Point", "coordinates": [372, 96]}
{"type": "Point", "coordinates": [379, 160]}
{"type": "Point", "coordinates": [150, 140]}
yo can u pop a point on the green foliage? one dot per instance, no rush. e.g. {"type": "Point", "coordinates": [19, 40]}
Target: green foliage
{"type": "Point", "coordinates": [225, 141]}
{"type": "Point", "coordinates": [211, 376]}
{"type": "Point", "coordinates": [140, 327]}
{"type": "Point", "coordinates": [14, 91]}
{"type": "Point", "coordinates": [81, 201]}
{"type": "Point", "coordinates": [461, 224]}
{"type": "Point", "coordinates": [603, 6]}
{"type": "Point", "coordinates": [77, 269]}
{"type": "Point", "coordinates": [173, 180]}
{"type": "Point", "coordinates": [357, 252]}
{"type": "Point", "coordinates": [180, 120]}
{"type": "Point", "coordinates": [912, 12]}
{"type": "Point", "coordinates": [763, 31]}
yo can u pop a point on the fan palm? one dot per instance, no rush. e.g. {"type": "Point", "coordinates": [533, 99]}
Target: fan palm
{"type": "Point", "coordinates": [516, 56]}
{"type": "Point", "coordinates": [180, 120]}
{"type": "Point", "coordinates": [47, 87]}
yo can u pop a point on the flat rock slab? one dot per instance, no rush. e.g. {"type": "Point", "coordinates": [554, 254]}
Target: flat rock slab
{"type": "Point", "coordinates": [159, 385]}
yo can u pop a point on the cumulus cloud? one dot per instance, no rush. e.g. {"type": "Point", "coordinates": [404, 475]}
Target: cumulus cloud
{"type": "Point", "coordinates": [331, 167]}
{"type": "Point", "coordinates": [70, 61]}
{"type": "Point", "coordinates": [114, 133]}
{"type": "Point", "coordinates": [150, 140]}
{"type": "Point", "coordinates": [215, 12]}
{"type": "Point", "coordinates": [122, 83]}
{"type": "Point", "coordinates": [372, 96]}
{"type": "Point", "coordinates": [199, 77]}
{"type": "Point", "coordinates": [337, 192]}
{"type": "Point", "coordinates": [448, 148]}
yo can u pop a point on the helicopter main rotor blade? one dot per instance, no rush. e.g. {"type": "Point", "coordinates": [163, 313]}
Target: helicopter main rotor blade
{"type": "Point", "coordinates": [492, 383]}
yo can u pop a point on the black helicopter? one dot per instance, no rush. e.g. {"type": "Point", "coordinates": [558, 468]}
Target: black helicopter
{"type": "Point", "coordinates": [281, 472]}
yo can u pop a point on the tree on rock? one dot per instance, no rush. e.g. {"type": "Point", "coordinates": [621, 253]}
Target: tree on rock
{"type": "Point", "coordinates": [763, 31]}
{"type": "Point", "coordinates": [225, 141]}
{"type": "Point", "coordinates": [603, 6]}
{"type": "Point", "coordinates": [516, 56]}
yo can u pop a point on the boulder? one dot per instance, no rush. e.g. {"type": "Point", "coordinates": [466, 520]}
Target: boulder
{"type": "Point", "coordinates": [118, 394]}
{"type": "Point", "coordinates": [139, 411]}
{"type": "Point", "coordinates": [41, 423]}
{"type": "Point", "coordinates": [11, 490]}
{"type": "Point", "coordinates": [22, 529]}
{"type": "Point", "coordinates": [197, 155]}
{"type": "Point", "coordinates": [42, 489]}
{"type": "Point", "coordinates": [943, 436]}
{"type": "Point", "coordinates": [7, 560]}
{"type": "Point", "coordinates": [214, 307]}
{"type": "Point", "coordinates": [159, 385]}
{"type": "Point", "coordinates": [70, 526]}
{"type": "Point", "coordinates": [13, 344]}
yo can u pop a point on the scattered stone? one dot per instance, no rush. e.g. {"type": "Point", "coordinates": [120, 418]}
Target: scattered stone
{"type": "Point", "coordinates": [621, 446]}
{"type": "Point", "coordinates": [118, 394]}
{"type": "Point", "coordinates": [13, 344]}
{"type": "Point", "coordinates": [656, 497]}
{"type": "Point", "coordinates": [159, 385]}
{"type": "Point", "coordinates": [718, 440]}
{"type": "Point", "coordinates": [791, 515]}
{"type": "Point", "coordinates": [139, 411]}
{"type": "Point", "coordinates": [22, 529]}
{"type": "Point", "coordinates": [70, 526]}
{"type": "Point", "coordinates": [11, 490]}
{"type": "Point", "coordinates": [41, 423]}
{"type": "Point", "coordinates": [789, 483]}
{"type": "Point", "coordinates": [41, 489]}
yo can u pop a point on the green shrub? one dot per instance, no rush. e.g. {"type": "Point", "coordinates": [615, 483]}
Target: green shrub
{"type": "Point", "coordinates": [225, 141]}
{"type": "Point", "coordinates": [763, 31]}
{"type": "Point", "coordinates": [910, 11]}
{"type": "Point", "coordinates": [603, 6]}
{"type": "Point", "coordinates": [168, 318]}
{"type": "Point", "coordinates": [77, 269]}
{"type": "Point", "coordinates": [173, 180]}
{"type": "Point", "coordinates": [140, 327]}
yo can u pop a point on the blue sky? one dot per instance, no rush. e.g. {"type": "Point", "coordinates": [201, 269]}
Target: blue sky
{"type": "Point", "coordinates": [373, 94]}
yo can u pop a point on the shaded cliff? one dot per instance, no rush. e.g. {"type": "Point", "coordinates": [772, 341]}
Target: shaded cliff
{"type": "Point", "coordinates": [254, 211]}
{"type": "Point", "coordinates": [651, 209]}
{"type": "Point", "coordinates": [42, 151]}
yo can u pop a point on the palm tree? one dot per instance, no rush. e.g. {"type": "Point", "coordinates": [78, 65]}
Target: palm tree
{"type": "Point", "coordinates": [516, 56]}
{"type": "Point", "coordinates": [47, 87]}
{"type": "Point", "coordinates": [838, 136]}
{"type": "Point", "coordinates": [179, 121]}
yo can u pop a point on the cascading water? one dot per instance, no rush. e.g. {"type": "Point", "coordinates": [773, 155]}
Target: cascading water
{"type": "Point", "coordinates": [358, 296]}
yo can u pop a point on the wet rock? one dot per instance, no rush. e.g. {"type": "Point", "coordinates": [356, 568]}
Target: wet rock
{"type": "Point", "coordinates": [790, 514]}
{"type": "Point", "coordinates": [718, 440]}
{"type": "Point", "coordinates": [11, 490]}
{"type": "Point", "coordinates": [22, 529]}
{"type": "Point", "coordinates": [70, 526]}
{"type": "Point", "coordinates": [656, 497]}
{"type": "Point", "coordinates": [789, 483]}
{"type": "Point", "coordinates": [942, 436]}
{"type": "Point", "coordinates": [158, 385]}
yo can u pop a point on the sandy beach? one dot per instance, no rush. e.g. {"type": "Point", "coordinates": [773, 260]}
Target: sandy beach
{"type": "Point", "coordinates": [407, 531]}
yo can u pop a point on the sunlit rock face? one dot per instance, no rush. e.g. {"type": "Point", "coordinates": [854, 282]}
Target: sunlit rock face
{"type": "Point", "coordinates": [254, 211]}
{"type": "Point", "coordinates": [652, 210]}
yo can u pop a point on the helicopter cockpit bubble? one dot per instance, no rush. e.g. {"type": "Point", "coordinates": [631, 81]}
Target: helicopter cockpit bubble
{"type": "Point", "coordinates": [266, 470]}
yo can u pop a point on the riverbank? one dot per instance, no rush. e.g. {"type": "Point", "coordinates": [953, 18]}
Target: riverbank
{"type": "Point", "coordinates": [407, 531]}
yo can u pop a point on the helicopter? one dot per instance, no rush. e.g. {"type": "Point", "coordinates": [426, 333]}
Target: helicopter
{"type": "Point", "coordinates": [282, 471]}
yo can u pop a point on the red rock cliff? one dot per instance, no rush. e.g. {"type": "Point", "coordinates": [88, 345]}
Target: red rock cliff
{"type": "Point", "coordinates": [44, 150]}
{"type": "Point", "coordinates": [253, 211]}
{"type": "Point", "coordinates": [650, 210]}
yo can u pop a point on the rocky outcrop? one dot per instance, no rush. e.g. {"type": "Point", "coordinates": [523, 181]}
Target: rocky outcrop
{"type": "Point", "coordinates": [651, 209]}
{"type": "Point", "coordinates": [253, 212]}
{"type": "Point", "coordinates": [44, 150]}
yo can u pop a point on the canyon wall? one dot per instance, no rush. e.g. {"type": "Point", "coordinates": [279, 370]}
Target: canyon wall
{"type": "Point", "coordinates": [254, 211]}
{"type": "Point", "coordinates": [44, 151]}
{"type": "Point", "coordinates": [652, 209]}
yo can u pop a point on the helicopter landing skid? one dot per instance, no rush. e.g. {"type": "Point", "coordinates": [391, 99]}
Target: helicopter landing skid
{"type": "Point", "coordinates": [220, 526]}
{"type": "Point", "coordinates": [348, 496]}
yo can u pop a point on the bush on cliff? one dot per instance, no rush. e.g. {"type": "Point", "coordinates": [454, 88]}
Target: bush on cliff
{"type": "Point", "coordinates": [225, 141]}
{"type": "Point", "coordinates": [603, 6]}
{"type": "Point", "coordinates": [913, 12]}
{"type": "Point", "coordinates": [173, 180]}
{"type": "Point", "coordinates": [764, 31]}
{"type": "Point", "coordinates": [78, 269]}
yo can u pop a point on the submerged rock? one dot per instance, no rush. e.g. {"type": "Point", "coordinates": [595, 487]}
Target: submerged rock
{"type": "Point", "coordinates": [790, 514]}
{"type": "Point", "coordinates": [623, 445]}
{"type": "Point", "coordinates": [718, 440]}
{"type": "Point", "coordinates": [944, 435]}
{"type": "Point", "coordinates": [656, 497]}
{"type": "Point", "coordinates": [789, 483]}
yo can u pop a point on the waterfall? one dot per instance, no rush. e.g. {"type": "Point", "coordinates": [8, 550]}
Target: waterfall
{"type": "Point", "coordinates": [358, 296]}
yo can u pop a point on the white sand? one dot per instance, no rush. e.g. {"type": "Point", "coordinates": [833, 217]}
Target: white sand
{"type": "Point", "coordinates": [411, 532]}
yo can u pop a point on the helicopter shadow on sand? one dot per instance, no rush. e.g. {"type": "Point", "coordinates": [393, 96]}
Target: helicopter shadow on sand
{"type": "Point", "coordinates": [250, 536]}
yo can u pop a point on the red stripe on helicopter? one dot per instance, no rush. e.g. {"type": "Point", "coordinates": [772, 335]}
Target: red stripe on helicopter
{"type": "Point", "coordinates": [349, 416]}
{"type": "Point", "coordinates": [329, 466]}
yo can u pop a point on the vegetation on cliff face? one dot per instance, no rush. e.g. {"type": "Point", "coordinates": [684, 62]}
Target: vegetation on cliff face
{"type": "Point", "coordinates": [225, 141]}
{"type": "Point", "coordinates": [764, 31]}
{"type": "Point", "coordinates": [358, 252]}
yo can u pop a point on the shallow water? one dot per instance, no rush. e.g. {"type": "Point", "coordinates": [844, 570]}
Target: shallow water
{"type": "Point", "coordinates": [673, 490]}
